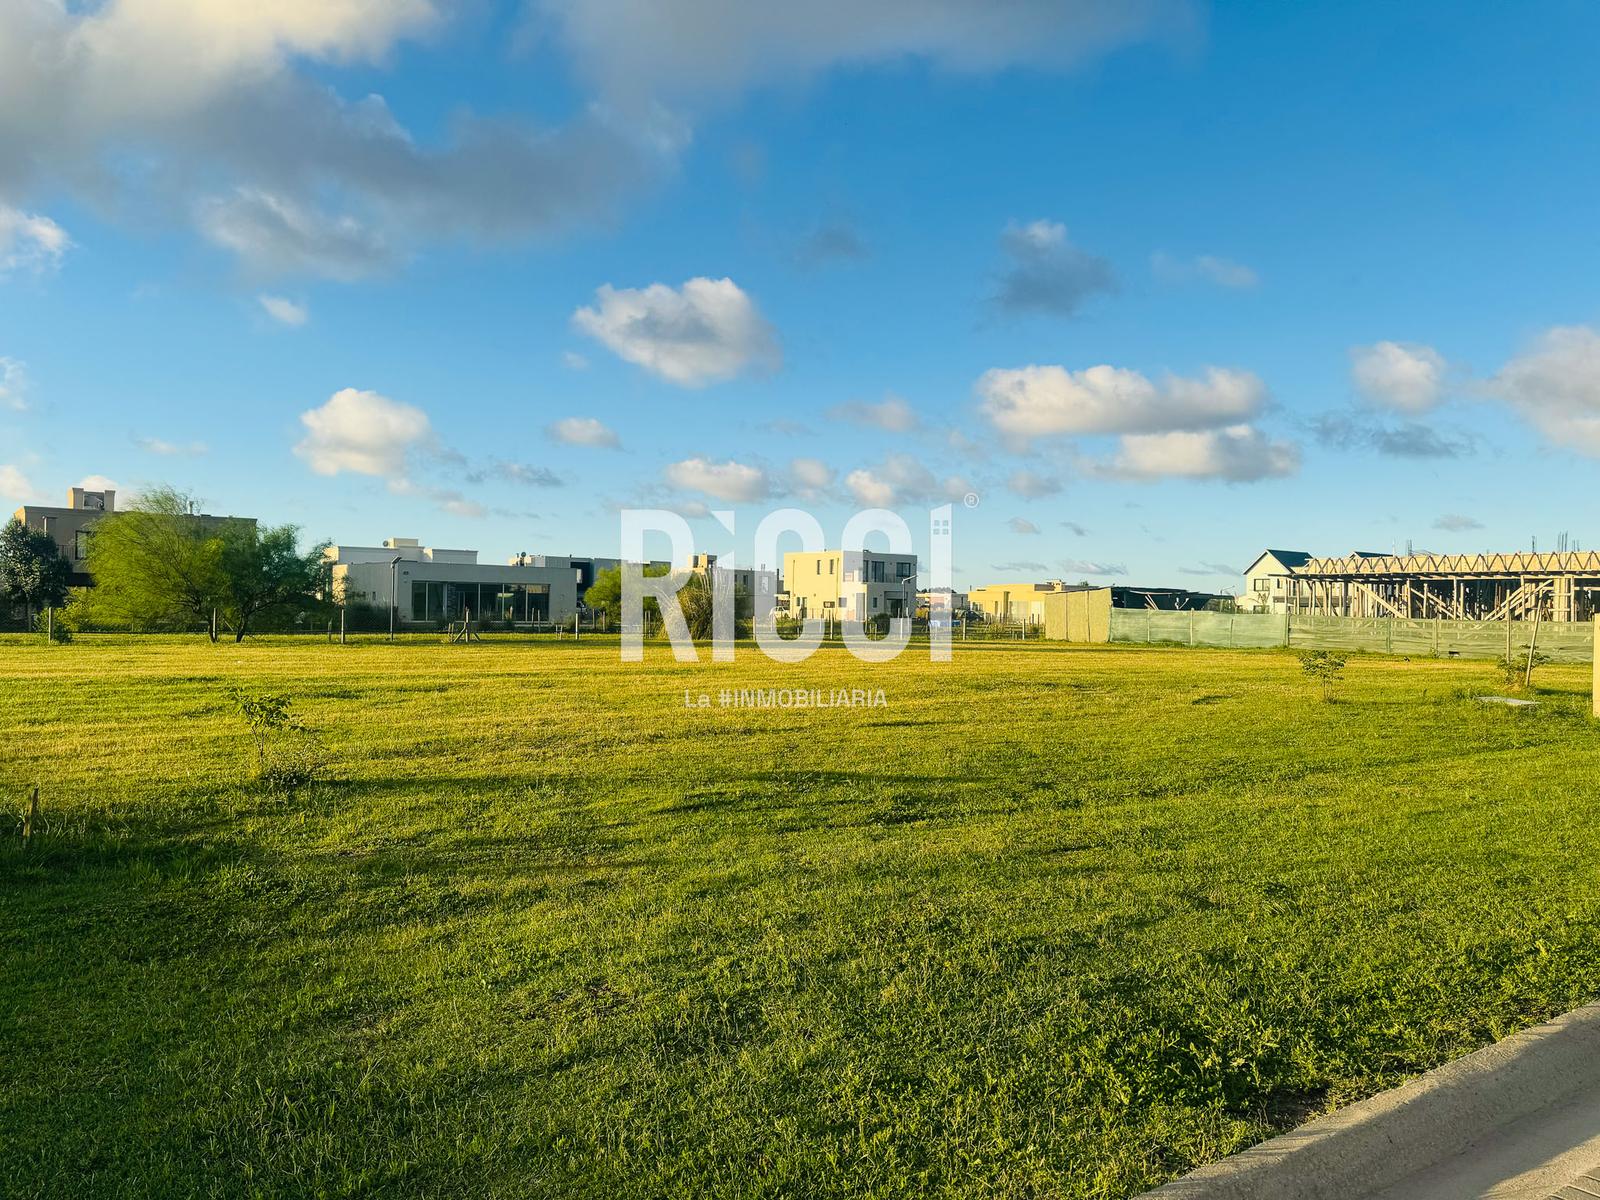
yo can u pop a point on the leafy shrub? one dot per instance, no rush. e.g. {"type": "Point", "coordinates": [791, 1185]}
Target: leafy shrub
{"type": "Point", "coordinates": [58, 626]}
{"type": "Point", "coordinates": [287, 756]}
{"type": "Point", "coordinates": [1517, 671]}
{"type": "Point", "coordinates": [1325, 667]}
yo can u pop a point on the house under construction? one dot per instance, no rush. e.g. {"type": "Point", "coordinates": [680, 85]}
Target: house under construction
{"type": "Point", "coordinates": [1562, 586]}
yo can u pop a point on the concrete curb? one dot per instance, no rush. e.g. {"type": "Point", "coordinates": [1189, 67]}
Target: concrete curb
{"type": "Point", "coordinates": [1368, 1146]}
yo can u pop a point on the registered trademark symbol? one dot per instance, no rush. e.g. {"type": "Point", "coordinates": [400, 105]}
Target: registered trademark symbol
{"type": "Point", "coordinates": [970, 499]}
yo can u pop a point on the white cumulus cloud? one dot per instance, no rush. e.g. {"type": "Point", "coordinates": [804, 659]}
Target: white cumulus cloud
{"type": "Point", "coordinates": [1031, 485]}
{"type": "Point", "coordinates": [364, 433]}
{"type": "Point", "coordinates": [14, 485]}
{"type": "Point", "coordinates": [275, 235]}
{"type": "Point", "coordinates": [230, 114]}
{"type": "Point", "coordinates": [166, 449]}
{"type": "Point", "coordinates": [28, 241]}
{"type": "Point", "coordinates": [892, 414]}
{"type": "Point", "coordinates": [1555, 386]}
{"type": "Point", "coordinates": [902, 479]}
{"type": "Point", "coordinates": [13, 385]}
{"type": "Point", "coordinates": [1083, 566]}
{"type": "Point", "coordinates": [636, 51]}
{"type": "Point", "coordinates": [284, 311]}
{"type": "Point", "coordinates": [582, 431]}
{"type": "Point", "coordinates": [1238, 453]}
{"type": "Point", "coordinates": [704, 332]}
{"type": "Point", "coordinates": [732, 481]}
{"type": "Point", "coordinates": [1402, 375]}
{"type": "Point", "coordinates": [811, 477]}
{"type": "Point", "coordinates": [1209, 268]}
{"type": "Point", "coordinates": [1040, 401]}
{"type": "Point", "coordinates": [1047, 273]}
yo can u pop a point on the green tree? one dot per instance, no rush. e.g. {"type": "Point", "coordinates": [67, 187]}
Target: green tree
{"type": "Point", "coordinates": [156, 566]}
{"type": "Point", "coordinates": [695, 601]}
{"type": "Point", "coordinates": [605, 593]}
{"type": "Point", "coordinates": [32, 571]}
{"type": "Point", "coordinates": [263, 573]}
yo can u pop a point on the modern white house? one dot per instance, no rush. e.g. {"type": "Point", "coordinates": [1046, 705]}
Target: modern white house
{"type": "Point", "coordinates": [428, 585]}
{"type": "Point", "coordinates": [1266, 581]}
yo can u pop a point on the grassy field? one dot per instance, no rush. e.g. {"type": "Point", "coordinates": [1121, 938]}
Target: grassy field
{"type": "Point", "coordinates": [1057, 921]}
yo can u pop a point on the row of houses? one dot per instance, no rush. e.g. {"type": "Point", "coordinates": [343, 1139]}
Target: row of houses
{"type": "Point", "coordinates": [427, 585]}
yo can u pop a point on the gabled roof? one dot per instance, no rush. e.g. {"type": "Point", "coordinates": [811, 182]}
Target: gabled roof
{"type": "Point", "coordinates": [1292, 559]}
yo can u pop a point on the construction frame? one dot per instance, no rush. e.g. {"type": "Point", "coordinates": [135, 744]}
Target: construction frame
{"type": "Point", "coordinates": [1563, 586]}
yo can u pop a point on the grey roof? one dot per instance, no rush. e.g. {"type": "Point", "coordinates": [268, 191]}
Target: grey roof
{"type": "Point", "coordinates": [1291, 558]}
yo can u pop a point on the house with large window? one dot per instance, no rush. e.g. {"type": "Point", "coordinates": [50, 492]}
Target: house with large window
{"type": "Point", "coordinates": [854, 585]}
{"type": "Point", "coordinates": [429, 585]}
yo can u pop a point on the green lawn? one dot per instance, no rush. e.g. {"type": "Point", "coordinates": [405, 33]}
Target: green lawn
{"type": "Point", "coordinates": [1057, 921]}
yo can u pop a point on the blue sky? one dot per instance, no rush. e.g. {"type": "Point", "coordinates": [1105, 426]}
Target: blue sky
{"type": "Point", "coordinates": [1158, 288]}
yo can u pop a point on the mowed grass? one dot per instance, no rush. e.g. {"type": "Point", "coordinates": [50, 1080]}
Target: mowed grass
{"type": "Point", "coordinates": [1058, 921]}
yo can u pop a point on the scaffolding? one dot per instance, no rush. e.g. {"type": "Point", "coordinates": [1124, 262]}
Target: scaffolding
{"type": "Point", "coordinates": [1562, 586]}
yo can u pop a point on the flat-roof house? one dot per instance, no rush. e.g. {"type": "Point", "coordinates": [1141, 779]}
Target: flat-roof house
{"type": "Point", "coordinates": [746, 581]}
{"type": "Point", "coordinates": [428, 585]}
{"type": "Point", "coordinates": [852, 585]}
{"type": "Point", "coordinates": [70, 526]}
{"type": "Point", "coordinates": [1019, 602]}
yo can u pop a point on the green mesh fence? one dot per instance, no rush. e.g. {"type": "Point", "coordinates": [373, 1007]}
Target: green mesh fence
{"type": "Point", "coordinates": [1563, 642]}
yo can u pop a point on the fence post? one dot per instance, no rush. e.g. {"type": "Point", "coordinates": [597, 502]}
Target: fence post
{"type": "Point", "coordinates": [1594, 653]}
{"type": "Point", "coordinates": [1191, 628]}
{"type": "Point", "coordinates": [32, 819]}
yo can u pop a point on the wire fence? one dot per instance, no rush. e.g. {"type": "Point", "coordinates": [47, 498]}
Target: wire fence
{"type": "Point", "coordinates": [1439, 638]}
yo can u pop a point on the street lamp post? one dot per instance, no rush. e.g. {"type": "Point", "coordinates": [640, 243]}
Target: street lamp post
{"type": "Point", "coordinates": [394, 592]}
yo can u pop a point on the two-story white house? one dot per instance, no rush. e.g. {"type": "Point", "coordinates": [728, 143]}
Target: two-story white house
{"type": "Point", "coordinates": [1266, 581]}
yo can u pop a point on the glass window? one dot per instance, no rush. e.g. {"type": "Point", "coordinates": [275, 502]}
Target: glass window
{"type": "Point", "coordinates": [80, 545]}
